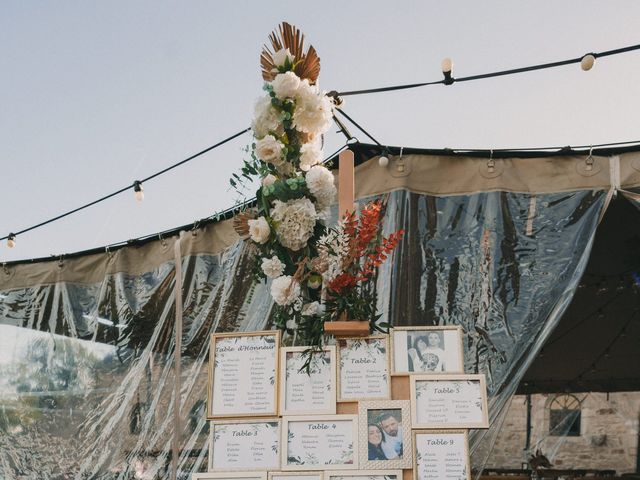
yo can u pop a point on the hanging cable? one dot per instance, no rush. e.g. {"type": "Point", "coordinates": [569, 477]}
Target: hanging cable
{"type": "Point", "coordinates": [355, 124]}
{"type": "Point", "coordinates": [136, 184]}
{"type": "Point", "coordinates": [499, 73]}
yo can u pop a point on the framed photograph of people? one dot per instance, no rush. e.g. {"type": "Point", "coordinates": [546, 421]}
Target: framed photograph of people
{"type": "Point", "coordinates": [363, 368]}
{"type": "Point", "coordinates": [317, 475]}
{"type": "Point", "coordinates": [384, 434]}
{"type": "Point", "coordinates": [427, 350]}
{"type": "Point", "coordinates": [229, 476]}
{"type": "Point", "coordinates": [320, 442]}
{"type": "Point", "coordinates": [243, 374]}
{"type": "Point", "coordinates": [308, 381]}
{"type": "Point", "coordinates": [441, 454]}
{"type": "Point", "coordinates": [365, 475]}
{"type": "Point", "coordinates": [237, 445]}
{"type": "Point", "coordinates": [449, 401]}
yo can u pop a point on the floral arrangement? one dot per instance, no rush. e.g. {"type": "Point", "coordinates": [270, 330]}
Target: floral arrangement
{"type": "Point", "coordinates": [317, 273]}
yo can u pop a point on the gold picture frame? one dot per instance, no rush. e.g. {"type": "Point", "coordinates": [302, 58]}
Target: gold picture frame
{"type": "Point", "coordinates": [240, 431]}
{"type": "Point", "coordinates": [449, 356]}
{"type": "Point", "coordinates": [417, 455]}
{"type": "Point", "coordinates": [214, 411]}
{"type": "Point", "coordinates": [369, 416]}
{"type": "Point", "coordinates": [251, 475]}
{"type": "Point", "coordinates": [304, 381]}
{"type": "Point", "coordinates": [313, 456]}
{"type": "Point", "coordinates": [430, 402]}
{"type": "Point", "coordinates": [364, 474]}
{"type": "Point", "coordinates": [342, 344]}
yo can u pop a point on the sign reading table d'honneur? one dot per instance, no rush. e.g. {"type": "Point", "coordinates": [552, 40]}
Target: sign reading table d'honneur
{"type": "Point", "coordinates": [243, 371]}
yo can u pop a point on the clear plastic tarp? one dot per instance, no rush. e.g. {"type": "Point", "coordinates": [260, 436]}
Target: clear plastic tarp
{"type": "Point", "coordinates": [87, 367]}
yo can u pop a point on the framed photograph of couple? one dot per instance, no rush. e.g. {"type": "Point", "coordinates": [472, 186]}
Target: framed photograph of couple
{"type": "Point", "coordinates": [385, 434]}
{"type": "Point", "coordinates": [243, 374]}
{"type": "Point", "coordinates": [427, 350]}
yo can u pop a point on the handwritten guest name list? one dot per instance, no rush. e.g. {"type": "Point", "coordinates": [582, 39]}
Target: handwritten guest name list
{"type": "Point", "coordinates": [309, 391]}
{"type": "Point", "coordinates": [317, 444]}
{"type": "Point", "coordinates": [457, 402]}
{"type": "Point", "coordinates": [363, 369]}
{"type": "Point", "coordinates": [245, 446]}
{"type": "Point", "coordinates": [244, 375]}
{"type": "Point", "coordinates": [441, 455]}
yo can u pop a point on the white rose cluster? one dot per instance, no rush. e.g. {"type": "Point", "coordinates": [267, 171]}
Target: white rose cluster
{"type": "Point", "coordinates": [314, 111]}
{"type": "Point", "coordinates": [285, 290]}
{"type": "Point", "coordinates": [295, 220]}
{"type": "Point", "coordinates": [320, 183]}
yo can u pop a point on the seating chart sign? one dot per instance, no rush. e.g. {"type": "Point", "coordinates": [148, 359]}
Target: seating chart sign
{"type": "Point", "coordinates": [244, 445]}
{"type": "Point", "coordinates": [309, 390]}
{"type": "Point", "coordinates": [452, 401]}
{"type": "Point", "coordinates": [321, 442]}
{"type": "Point", "coordinates": [441, 454]}
{"type": "Point", "coordinates": [363, 369]}
{"type": "Point", "coordinates": [243, 371]}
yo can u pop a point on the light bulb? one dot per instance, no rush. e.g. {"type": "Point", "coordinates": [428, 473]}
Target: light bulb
{"type": "Point", "coordinates": [138, 190]}
{"type": "Point", "coordinates": [447, 68]}
{"type": "Point", "coordinates": [11, 240]}
{"type": "Point", "coordinates": [383, 161]}
{"type": "Point", "coordinates": [587, 62]}
{"type": "Point", "coordinates": [447, 65]}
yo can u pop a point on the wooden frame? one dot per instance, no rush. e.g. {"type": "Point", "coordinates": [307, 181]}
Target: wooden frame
{"type": "Point", "coordinates": [254, 475]}
{"type": "Point", "coordinates": [365, 474]}
{"type": "Point", "coordinates": [308, 474]}
{"type": "Point", "coordinates": [387, 366]}
{"type": "Point", "coordinates": [458, 357]}
{"type": "Point", "coordinates": [320, 423]}
{"type": "Point", "coordinates": [304, 383]}
{"type": "Point", "coordinates": [436, 476]}
{"type": "Point", "coordinates": [363, 431]}
{"type": "Point", "coordinates": [213, 391]}
{"type": "Point", "coordinates": [458, 383]}
{"type": "Point", "coordinates": [243, 443]}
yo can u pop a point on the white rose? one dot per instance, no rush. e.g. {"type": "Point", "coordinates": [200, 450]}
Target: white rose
{"type": "Point", "coordinates": [272, 267]}
{"type": "Point", "coordinates": [285, 85]}
{"type": "Point", "coordinates": [313, 308]}
{"type": "Point", "coordinates": [265, 118]}
{"type": "Point", "coordinates": [281, 56]}
{"type": "Point", "coordinates": [314, 110]}
{"type": "Point", "coordinates": [259, 230]}
{"type": "Point", "coordinates": [285, 290]}
{"type": "Point", "coordinates": [268, 149]}
{"type": "Point", "coordinates": [321, 185]}
{"type": "Point", "coordinates": [310, 155]}
{"type": "Point", "coordinates": [269, 180]}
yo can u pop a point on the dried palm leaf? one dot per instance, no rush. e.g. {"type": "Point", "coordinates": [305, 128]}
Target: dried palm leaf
{"type": "Point", "coordinates": [305, 65]}
{"type": "Point", "coordinates": [241, 223]}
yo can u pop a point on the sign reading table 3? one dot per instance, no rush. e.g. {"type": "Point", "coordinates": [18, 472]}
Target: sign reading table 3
{"type": "Point", "coordinates": [243, 374]}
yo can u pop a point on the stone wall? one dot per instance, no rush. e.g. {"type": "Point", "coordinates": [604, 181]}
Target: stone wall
{"type": "Point", "coordinates": [608, 433]}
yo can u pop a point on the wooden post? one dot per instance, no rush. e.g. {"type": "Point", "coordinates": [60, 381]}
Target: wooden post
{"type": "Point", "coordinates": [346, 204]}
{"type": "Point", "coordinates": [346, 183]}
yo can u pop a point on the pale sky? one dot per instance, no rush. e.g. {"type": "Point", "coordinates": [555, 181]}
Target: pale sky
{"type": "Point", "coordinates": [94, 95]}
